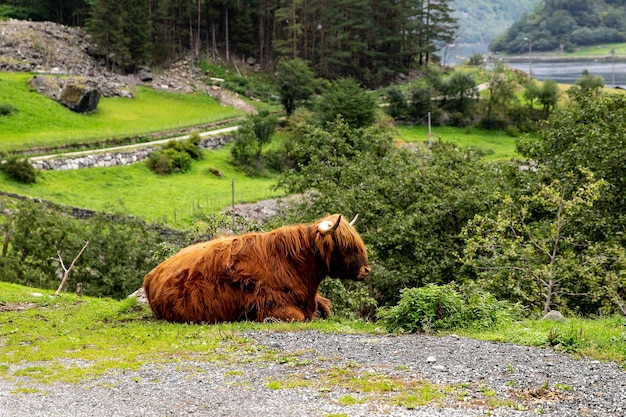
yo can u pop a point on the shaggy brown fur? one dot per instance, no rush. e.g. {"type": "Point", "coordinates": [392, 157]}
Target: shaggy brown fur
{"type": "Point", "coordinates": [256, 276]}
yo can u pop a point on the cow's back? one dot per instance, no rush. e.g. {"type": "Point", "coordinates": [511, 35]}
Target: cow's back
{"type": "Point", "coordinates": [192, 286]}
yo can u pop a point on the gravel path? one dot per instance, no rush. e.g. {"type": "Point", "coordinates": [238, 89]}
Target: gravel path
{"type": "Point", "coordinates": [314, 374]}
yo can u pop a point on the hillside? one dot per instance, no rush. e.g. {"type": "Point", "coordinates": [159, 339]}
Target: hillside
{"type": "Point", "coordinates": [499, 14]}
{"type": "Point", "coordinates": [59, 50]}
{"type": "Point", "coordinates": [565, 26]}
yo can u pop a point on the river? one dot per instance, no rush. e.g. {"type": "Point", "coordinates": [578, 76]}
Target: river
{"type": "Point", "coordinates": [565, 72]}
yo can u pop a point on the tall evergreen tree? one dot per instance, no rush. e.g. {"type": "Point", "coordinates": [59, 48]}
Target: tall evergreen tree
{"type": "Point", "coordinates": [121, 30]}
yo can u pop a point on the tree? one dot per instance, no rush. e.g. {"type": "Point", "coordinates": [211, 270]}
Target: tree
{"type": "Point", "coordinates": [122, 32]}
{"type": "Point", "coordinates": [296, 83]}
{"type": "Point", "coordinates": [589, 133]}
{"type": "Point", "coordinates": [549, 95]}
{"type": "Point", "coordinates": [345, 98]}
{"type": "Point", "coordinates": [412, 203]}
{"type": "Point", "coordinates": [434, 25]}
{"type": "Point", "coordinates": [530, 250]}
{"type": "Point", "coordinates": [398, 106]}
{"type": "Point", "coordinates": [254, 133]}
{"type": "Point", "coordinates": [501, 87]}
{"type": "Point", "coordinates": [460, 92]}
{"type": "Point", "coordinates": [588, 82]}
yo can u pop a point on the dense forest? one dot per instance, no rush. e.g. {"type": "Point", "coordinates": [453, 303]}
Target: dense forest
{"type": "Point", "coordinates": [501, 14]}
{"type": "Point", "coordinates": [369, 40]}
{"type": "Point", "coordinates": [565, 25]}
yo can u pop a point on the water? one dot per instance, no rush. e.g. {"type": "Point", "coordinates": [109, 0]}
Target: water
{"type": "Point", "coordinates": [614, 73]}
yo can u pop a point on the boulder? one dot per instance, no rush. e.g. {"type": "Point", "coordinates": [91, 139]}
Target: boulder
{"type": "Point", "coordinates": [144, 74]}
{"type": "Point", "coordinates": [554, 315]}
{"type": "Point", "coordinates": [80, 98]}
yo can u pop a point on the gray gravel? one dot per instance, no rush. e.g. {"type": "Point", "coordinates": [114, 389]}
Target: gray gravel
{"type": "Point", "coordinates": [308, 374]}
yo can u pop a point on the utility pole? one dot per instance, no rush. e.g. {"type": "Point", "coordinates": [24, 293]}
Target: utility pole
{"type": "Point", "coordinates": [613, 67]}
{"type": "Point", "coordinates": [530, 56]}
{"type": "Point", "coordinates": [430, 133]}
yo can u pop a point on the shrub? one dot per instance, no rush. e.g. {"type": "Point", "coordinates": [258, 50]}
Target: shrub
{"type": "Point", "coordinates": [175, 156]}
{"type": "Point", "coordinates": [348, 299]}
{"type": "Point", "coordinates": [7, 109]}
{"type": "Point", "coordinates": [434, 307]}
{"type": "Point", "coordinates": [19, 169]}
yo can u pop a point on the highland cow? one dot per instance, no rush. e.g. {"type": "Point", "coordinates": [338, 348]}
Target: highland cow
{"type": "Point", "coordinates": [257, 276]}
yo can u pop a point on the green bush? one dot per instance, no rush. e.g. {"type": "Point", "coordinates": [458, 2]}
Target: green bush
{"type": "Point", "coordinates": [7, 109]}
{"type": "Point", "coordinates": [175, 156]}
{"type": "Point", "coordinates": [442, 307]}
{"type": "Point", "coordinates": [19, 169]}
{"type": "Point", "coordinates": [348, 299]}
{"type": "Point", "coordinates": [121, 249]}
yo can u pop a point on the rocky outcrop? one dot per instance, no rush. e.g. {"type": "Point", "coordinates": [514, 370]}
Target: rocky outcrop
{"type": "Point", "coordinates": [80, 98]}
{"type": "Point", "coordinates": [45, 47]}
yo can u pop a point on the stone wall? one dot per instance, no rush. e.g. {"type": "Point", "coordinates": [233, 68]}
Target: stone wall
{"type": "Point", "coordinates": [109, 159]}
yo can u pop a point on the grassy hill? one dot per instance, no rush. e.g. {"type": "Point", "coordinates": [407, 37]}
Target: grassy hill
{"type": "Point", "coordinates": [40, 121]}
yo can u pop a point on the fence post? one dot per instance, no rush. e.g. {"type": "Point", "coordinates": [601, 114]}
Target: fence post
{"type": "Point", "coordinates": [233, 203]}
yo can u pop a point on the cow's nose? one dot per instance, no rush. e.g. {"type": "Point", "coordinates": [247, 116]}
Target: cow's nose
{"type": "Point", "coordinates": [364, 272]}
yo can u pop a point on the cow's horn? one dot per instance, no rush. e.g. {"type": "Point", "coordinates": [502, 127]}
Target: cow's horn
{"type": "Point", "coordinates": [327, 227]}
{"type": "Point", "coordinates": [354, 220]}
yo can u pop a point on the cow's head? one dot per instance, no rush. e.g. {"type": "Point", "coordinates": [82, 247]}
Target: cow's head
{"type": "Point", "coordinates": [342, 248]}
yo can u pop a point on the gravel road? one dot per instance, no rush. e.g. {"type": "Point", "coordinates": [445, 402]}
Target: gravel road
{"type": "Point", "coordinates": [317, 374]}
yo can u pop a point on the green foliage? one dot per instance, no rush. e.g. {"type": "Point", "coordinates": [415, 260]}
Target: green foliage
{"type": "Point", "coordinates": [588, 82]}
{"type": "Point", "coordinates": [398, 106]}
{"type": "Point", "coordinates": [501, 88]}
{"type": "Point", "coordinates": [348, 300]}
{"type": "Point", "coordinates": [122, 32]}
{"type": "Point", "coordinates": [296, 83]}
{"type": "Point", "coordinates": [442, 307]}
{"type": "Point", "coordinates": [500, 14]}
{"type": "Point", "coordinates": [175, 156]}
{"type": "Point", "coordinates": [306, 144]}
{"type": "Point", "coordinates": [531, 250]}
{"type": "Point", "coordinates": [19, 169]}
{"type": "Point", "coordinates": [561, 24]}
{"type": "Point", "coordinates": [114, 263]}
{"type": "Point", "coordinates": [549, 96]}
{"type": "Point", "coordinates": [460, 93]}
{"type": "Point", "coordinates": [346, 98]}
{"type": "Point", "coordinates": [589, 133]}
{"type": "Point", "coordinates": [7, 109]}
{"type": "Point", "coordinates": [413, 203]}
{"type": "Point", "coordinates": [421, 102]}
{"type": "Point", "coordinates": [254, 133]}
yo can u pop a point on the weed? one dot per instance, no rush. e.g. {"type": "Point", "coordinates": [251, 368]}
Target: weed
{"type": "Point", "coordinates": [350, 400]}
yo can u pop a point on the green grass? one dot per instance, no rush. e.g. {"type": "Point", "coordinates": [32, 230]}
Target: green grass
{"type": "Point", "coordinates": [602, 338]}
{"type": "Point", "coordinates": [135, 190]}
{"type": "Point", "coordinates": [46, 339]}
{"type": "Point", "coordinates": [41, 121]}
{"type": "Point", "coordinates": [73, 339]}
{"type": "Point", "coordinates": [603, 50]}
{"type": "Point", "coordinates": [493, 144]}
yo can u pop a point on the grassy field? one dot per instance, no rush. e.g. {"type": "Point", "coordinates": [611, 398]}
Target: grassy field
{"type": "Point", "coordinates": [42, 121]}
{"type": "Point", "coordinates": [493, 144]}
{"type": "Point", "coordinates": [80, 339]}
{"type": "Point", "coordinates": [135, 190]}
{"type": "Point", "coordinates": [172, 199]}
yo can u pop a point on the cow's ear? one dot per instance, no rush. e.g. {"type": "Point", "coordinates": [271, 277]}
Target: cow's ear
{"type": "Point", "coordinates": [327, 227]}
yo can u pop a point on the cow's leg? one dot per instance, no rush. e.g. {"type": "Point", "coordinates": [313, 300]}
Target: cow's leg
{"type": "Point", "coordinates": [284, 313]}
{"type": "Point", "coordinates": [323, 306]}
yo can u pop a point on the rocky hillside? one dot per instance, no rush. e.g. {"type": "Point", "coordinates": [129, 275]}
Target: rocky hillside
{"type": "Point", "coordinates": [51, 49]}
